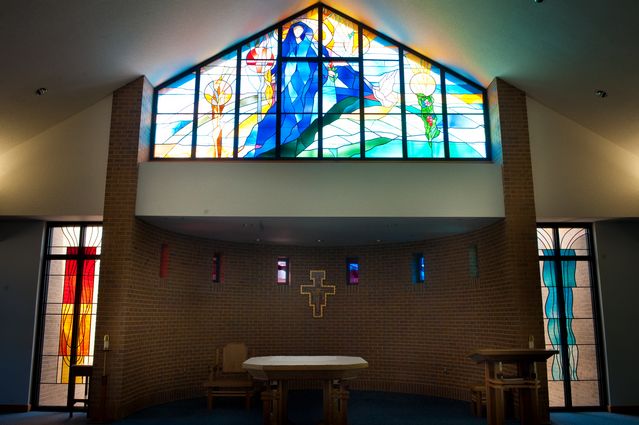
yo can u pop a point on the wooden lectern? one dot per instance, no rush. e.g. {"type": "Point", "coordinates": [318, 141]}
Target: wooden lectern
{"type": "Point", "coordinates": [525, 382]}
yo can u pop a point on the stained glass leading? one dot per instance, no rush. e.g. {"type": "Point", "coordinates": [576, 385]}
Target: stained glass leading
{"type": "Point", "coordinates": [262, 99]}
{"type": "Point", "coordinates": [340, 36]}
{"type": "Point", "coordinates": [300, 36]}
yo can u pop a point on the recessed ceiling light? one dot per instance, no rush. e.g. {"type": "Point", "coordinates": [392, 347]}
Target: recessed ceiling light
{"type": "Point", "coordinates": [319, 240]}
{"type": "Point", "coordinates": [41, 91]}
{"type": "Point", "coordinates": [378, 240]}
{"type": "Point", "coordinates": [601, 93]}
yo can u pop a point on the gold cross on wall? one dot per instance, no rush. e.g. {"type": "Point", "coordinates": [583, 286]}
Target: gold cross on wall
{"type": "Point", "coordinates": [317, 292]}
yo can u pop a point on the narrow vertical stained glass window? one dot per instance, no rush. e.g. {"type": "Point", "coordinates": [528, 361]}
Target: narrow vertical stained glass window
{"type": "Point", "coordinates": [217, 267]}
{"type": "Point", "coordinates": [419, 268]}
{"type": "Point", "coordinates": [320, 85]}
{"type": "Point", "coordinates": [565, 263]}
{"type": "Point", "coordinates": [71, 296]}
{"type": "Point", "coordinates": [352, 271]}
{"type": "Point", "coordinates": [282, 271]}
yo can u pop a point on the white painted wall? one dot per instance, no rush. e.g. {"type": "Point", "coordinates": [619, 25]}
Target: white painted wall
{"type": "Point", "coordinates": [322, 188]}
{"type": "Point", "coordinates": [617, 252]}
{"type": "Point", "coordinates": [20, 256]}
{"type": "Point", "coordinates": [61, 172]}
{"type": "Point", "coordinates": [577, 174]}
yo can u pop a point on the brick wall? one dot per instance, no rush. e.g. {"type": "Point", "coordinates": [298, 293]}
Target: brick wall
{"type": "Point", "coordinates": [416, 337]}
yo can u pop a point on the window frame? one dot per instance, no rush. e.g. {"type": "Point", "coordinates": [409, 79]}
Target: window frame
{"type": "Point", "coordinates": [402, 50]}
{"type": "Point", "coordinates": [591, 258]}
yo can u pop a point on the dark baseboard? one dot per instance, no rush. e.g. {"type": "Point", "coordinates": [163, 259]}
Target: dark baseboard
{"type": "Point", "coordinates": [14, 408]}
{"type": "Point", "coordinates": [625, 410]}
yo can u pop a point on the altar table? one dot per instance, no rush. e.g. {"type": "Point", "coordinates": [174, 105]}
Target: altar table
{"type": "Point", "coordinates": [278, 371]}
{"type": "Point", "coordinates": [525, 381]}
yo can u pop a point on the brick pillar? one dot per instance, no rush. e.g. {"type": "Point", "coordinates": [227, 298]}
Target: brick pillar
{"type": "Point", "coordinates": [511, 148]}
{"type": "Point", "coordinates": [128, 142]}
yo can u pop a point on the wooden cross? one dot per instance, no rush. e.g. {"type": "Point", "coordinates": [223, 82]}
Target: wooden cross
{"type": "Point", "coordinates": [317, 292]}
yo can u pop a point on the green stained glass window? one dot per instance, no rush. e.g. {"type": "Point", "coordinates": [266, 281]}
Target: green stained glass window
{"type": "Point", "coordinates": [320, 85]}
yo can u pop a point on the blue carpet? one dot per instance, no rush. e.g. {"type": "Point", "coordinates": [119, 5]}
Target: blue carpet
{"type": "Point", "coordinates": [305, 408]}
{"type": "Point", "coordinates": [592, 418]}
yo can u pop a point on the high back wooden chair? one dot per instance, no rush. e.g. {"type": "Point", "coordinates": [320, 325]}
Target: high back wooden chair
{"type": "Point", "coordinates": [227, 378]}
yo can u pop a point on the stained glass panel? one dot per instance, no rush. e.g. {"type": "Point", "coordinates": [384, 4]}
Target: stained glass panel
{"type": "Point", "coordinates": [173, 135]}
{"type": "Point", "coordinates": [340, 36]}
{"type": "Point", "coordinates": [377, 47]}
{"type": "Point", "coordinates": [258, 83]}
{"type": "Point", "coordinates": [217, 86]}
{"type": "Point", "coordinates": [422, 86]}
{"type": "Point", "coordinates": [299, 132]}
{"type": "Point", "coordinates": [574, 318]}
{"type": "Point", "coordinates": [75, 273]}
{"type": "Point", "coordinates": [300, 36]}
{"type": "Point", "coordinates": [289, 73]}
{"type": "Point", "coordinates": [256, 135]}
{"type": "Point", "coordinates": [383, 136]}
{"type": "Point", "coordinates": [418, 144]}
{"type": "Point", "coordinates": [573, 241]}
{"type": "Point", "coordinates": [462, 97]}
{"type": "Point", "coordinates": [215, 136]}
{"type": "Point", "coordinates": [383, 77]}
{"type": "Point", "coordinates": [467, 136]}
{"type": "Point", "coordinates": [341, 136]}
{"type": "Point", "coordinates": [299, 87]}
{"type": "Point", "coordinates": [340, 92]}
{"type": "Point", "coordinates": [545, 241]}
{"type": "Point", "coordinates": [177, 97]}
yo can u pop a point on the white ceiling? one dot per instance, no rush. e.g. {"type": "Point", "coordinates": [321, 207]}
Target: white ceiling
{"type": "Point", "coordinates": [558, 51]}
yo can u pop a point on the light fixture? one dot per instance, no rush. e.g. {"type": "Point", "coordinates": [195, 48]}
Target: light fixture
{"type": "Point", "coordinates": [41, 91]}
{"type": "Point", "coordinates": [601, 93]}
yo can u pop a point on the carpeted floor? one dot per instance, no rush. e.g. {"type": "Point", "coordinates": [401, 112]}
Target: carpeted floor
{"type": "Point", "coordinates": [305, 408]}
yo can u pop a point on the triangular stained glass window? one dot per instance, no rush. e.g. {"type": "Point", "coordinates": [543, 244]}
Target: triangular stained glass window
{"type": "Point", "coordinates": [320, 85]}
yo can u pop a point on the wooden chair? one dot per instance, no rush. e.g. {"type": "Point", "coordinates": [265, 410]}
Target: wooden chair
{"type": "Point", "coordinates": [227, 378]}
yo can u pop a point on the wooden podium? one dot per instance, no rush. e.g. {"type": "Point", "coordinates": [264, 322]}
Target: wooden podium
{"type": "Point", "coordinates": [525, 382]}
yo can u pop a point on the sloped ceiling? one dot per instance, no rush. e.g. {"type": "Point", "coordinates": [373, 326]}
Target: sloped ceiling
{"type": "Point", "coordinates": [558, 51]}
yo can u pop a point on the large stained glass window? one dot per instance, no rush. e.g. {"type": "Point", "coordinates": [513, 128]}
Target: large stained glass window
{"type": "Point", "coordinates": [69, 309]}
{"type": "Point", "coordinates": [565, 261]}
{"type": "Point", "coordinates": [320, 85]}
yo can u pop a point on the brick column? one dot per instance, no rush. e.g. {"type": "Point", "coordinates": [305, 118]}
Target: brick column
{"type": "Point", "coordinates": [511, 148]}
{"type": "Point", "coordinates": [128, 142]}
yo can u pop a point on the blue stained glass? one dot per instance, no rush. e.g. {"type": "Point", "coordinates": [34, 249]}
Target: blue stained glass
{"type": "Point", "coordinates": [467, 136]}
{"type": "Point", "coordinates": [245, 81]}
{"type": "Point", "coordinates": [300, 36]}
{"type": "Point", "coordinates": [340, 92]}
{"type": "Point", "coordinates": [462, 97]}
{"type": "Point", "coordinates": [420, 268]}
{"type": "Point", "coordinates": [299, 132]}
{"type": "Point", "coordinates": [299, 87]}
{"type": "Point", "coordinates": [256, 137]}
